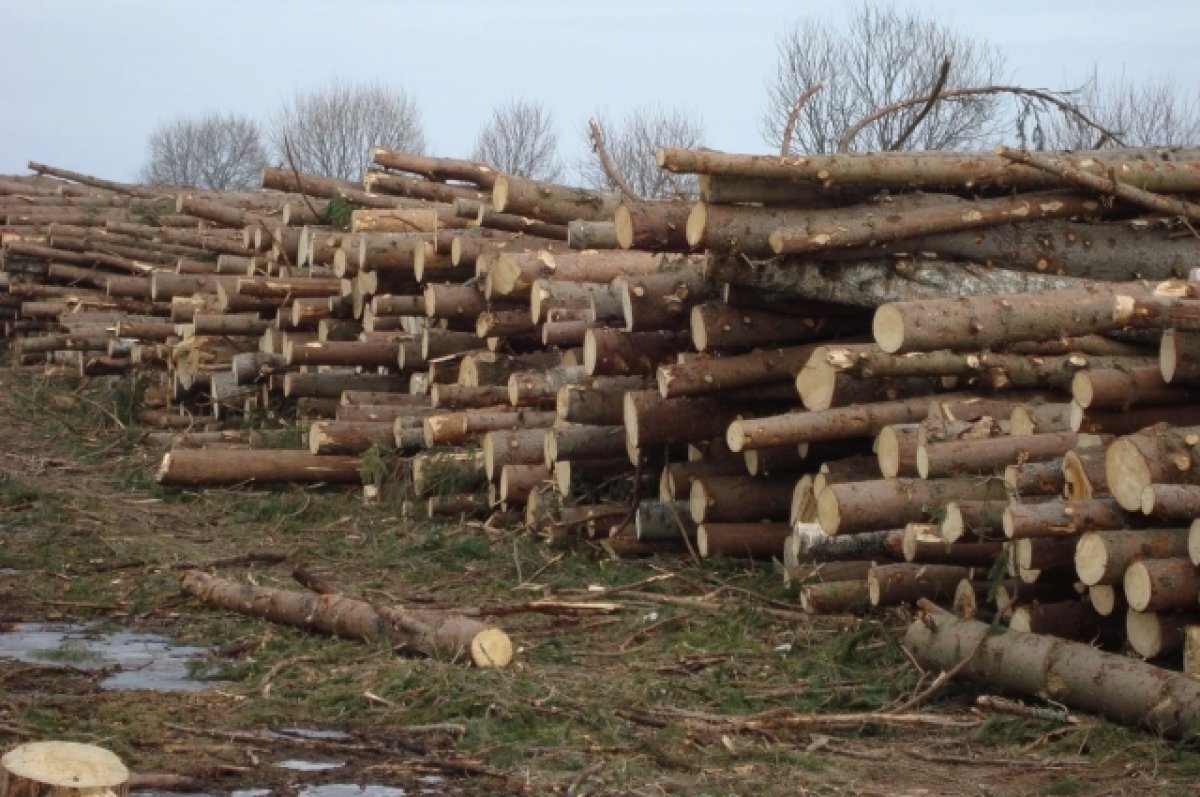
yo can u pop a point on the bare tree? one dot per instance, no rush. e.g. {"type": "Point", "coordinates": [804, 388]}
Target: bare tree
{"type": "Point", "coordinates": [631, 146]}
{"type": "Point", "coordinates": [215, 152]}
{"type": "Point", "coordinates": [331, 131]}
{"type": "Point", "coordinates": [881, 56]}
{"type": "Point", "coordinates": [1154, 112]}
{"type": "Point", "coordinates": [520, 139]}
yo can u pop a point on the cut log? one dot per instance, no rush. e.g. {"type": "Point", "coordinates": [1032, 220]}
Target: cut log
{"type": "Point", "coordinates": [460, 504]}
{"type": "Point", "coordinates": [1101, 557]}
{"type": "Point", "coordinates": [1134, 419]}
{"type": "Point", "coordinates": [663, 300]}
{"type": "Point", "coordinates": [728, 499]}
{"type": "Point", "coordinates": [1166, 169]}
{"type": "Point", "coordinates": [1065, 518]}
{"type": "Point", "coordinates": [1107, 600]}
{"type": "Point", "coordinates": [201, 468]}
{"type": "Point", "coordinates": [349, 437]}
{"type": "Point", "coordinates": [973, 520]}
{"type": "Point", "coordinates": [613, 352]}
{"type": "Point", "coordinates": [702, 374]}
{"type": "Point", "coordinates": [438, 634]}
{"type": "Point", "coordinates": [990, 454]}
{"type": "Point", "coordinates": [840, 423]}
{"type": "Point", "coordinates": [549, 202]}
{"type": "Point", "coordinates": [888, 503]}
{"type": "Point", "coordinates": [514, 274]}
{"type": "Point", "coordinates": [1073, 619]}
{"type": "Point", "coordinates": [1157, 585]}
{"type": "Point", "coordinates": [1179, 356]}
{"type": "Point", "coordinates": [924, 543]}
{"type": "Point", "coordinates": [456, 428]}
{"type": "Point", "coordinates": [987, 321]}
{"type": "Point", "coordinates": [1120, 388]}
{"type": "Point", "coordinates": [836, 597]}
{"type": "Point", "coordinates": [461, 397]}
{"type": "Point", "coordinates": [1160, 455]}
{"type": "Point", "coordinates": [585, 235]}
{"type": "Point", "coordinates": [447, 471]}
{"type": "Point", "coordinates": [742, 540]}
{"type": "Point", "coordinates": [582, 442]}
{"type": "Point", "coordinates": [652, 226]}
{"type": "Point", "coordinates": [1073, 673]}
{"type": "Point", "coordinates": [518, 481]}
{"type": "Point", "coordinates": [1083, 474]}
{"type": "Point", "coordinates": [895, 584]}
{"type": "Point", "coordinates": [62, 769]}
{"type": "Point", "coordinates": [511, 447]}
{"type": "Point", "coordinates": [716, 325]}
{"type": "Point", "coordinates": [1171, 502]}
{"type": "Point", "coordinates": [1154, 635]}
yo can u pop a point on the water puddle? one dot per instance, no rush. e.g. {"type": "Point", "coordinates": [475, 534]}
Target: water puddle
{"type": "Point", "coordinates": [351, 790]}
{"type": "Point", "coordinates": [137, 661]}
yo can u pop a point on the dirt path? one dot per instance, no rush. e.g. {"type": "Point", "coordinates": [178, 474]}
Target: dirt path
{"type": "Point", "coordinates": [592, 706]}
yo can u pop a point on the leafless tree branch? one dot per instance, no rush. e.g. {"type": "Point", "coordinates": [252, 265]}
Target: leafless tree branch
{"type": "Point", "coordinates": [631, 146]}
{"type": "Point", "coordinates": [606, 162]}
{"type": "Point", "coordinates": [785, 146]}
{"type": "Point", "coordinates": [934, 96]}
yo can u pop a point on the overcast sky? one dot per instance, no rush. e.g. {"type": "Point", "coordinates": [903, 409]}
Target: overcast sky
{"type": "Point", "coordinates": [83, 82]}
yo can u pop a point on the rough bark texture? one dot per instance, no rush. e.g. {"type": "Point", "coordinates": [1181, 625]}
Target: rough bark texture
{"type": "Point", "coordinates": [438, 634]}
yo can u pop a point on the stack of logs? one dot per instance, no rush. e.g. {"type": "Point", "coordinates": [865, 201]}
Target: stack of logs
{"type": "Point", "coordinates": [956, 376]}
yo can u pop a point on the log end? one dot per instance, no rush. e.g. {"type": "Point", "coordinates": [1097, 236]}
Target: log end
{"type": "Point", "coordinates": [623, 225]}
{"type": "Point", "coordinates": [1194, 542]}
{"type": "Point", "coordinates": [1168, 355]}
{"type": "Point", "coordinates": [888, 328]}
{"type": "Point", "coordinates": [500, 193]}
{"type": "Point", "coordinates": [698, 501]}
{"type": "Point", "coordinates": [1091, 558]}
{"type": "Point", "coordinates": [697, 221]}
{"type": "Point", "coordinates": [1138, 586]}
{"type": "Point", "coordinates": [1145, 633]}
{"type": "Point", "coordinates": [953, 526]}
{"type": "Point", "coordinates": [829, 513]}
{"type": "Point", "coordinates": [163, 475]}
{"type": "Point", "coordinates": [1081, 389]}
{"type": "Point", "coordinates": [68, 767]}
{"type": "Point", "coordinates": [1127, 472]}
{"type": "Point", "coordinates": [736, 436]}
{"type": "Point", "coordinates": [816, 383]}
{"type": "Point", "coordinates": [491, 648]}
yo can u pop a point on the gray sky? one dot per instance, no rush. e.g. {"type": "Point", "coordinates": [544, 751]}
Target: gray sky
{"type": "Point", "coordinates": [85, 81]}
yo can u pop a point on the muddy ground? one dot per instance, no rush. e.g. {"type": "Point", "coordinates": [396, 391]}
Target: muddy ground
{"type": "Point", "coordinates": [649, 697]}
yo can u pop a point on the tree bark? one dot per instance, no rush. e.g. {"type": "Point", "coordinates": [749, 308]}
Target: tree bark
{"type": "Point", "coordinates": [437, 634]}
{"type": "Point", "coordinates": [1101, 557]}
{"type": "Point", "coordinates": [728, 499]}
{"type": "Point", "coordinates": [1153, 169]}
{"type": "Point", "coordinates": [1179, 357]}
{"type": "Point", "coordinates": [583, 235]}
{"type": "Point", "coordinates": [1066, 518]}
{"type": "Point", "coordinates": [652, 226]}
{"type": "Point", "coordinates": [556, 204]}
{"type": "Point", "coordinates": [611, 352]}
{"type": "Point", "coordinates": [204, 468]}
{"type": "Point", "coordinates": [1083, 474]}
{"type": "Point", "coordinates": [988, 321]}
{"type": "Point", "coordinates": [348, 437]}
{"type": "Point", "coordinates": [896, 584]}
{"type": "Point", "coordinates": [456, 428]}
{"type": "Point", "coordinates": [742, 540]}
{"type": "Point", "coordinates": [701, 374]}
{"type": "Point", "coordinates": [438, 169]}
{"type": "Point", "coordinates": [1159, 585]}
{"type": "Point", "coordinates": [715, 324]}
{"type": "Point", "coordinates": [1160, 455]}
{"type": "Point", "coordinates": [882, 504]}
{"type": "Point", "coordinates": [663, 300]}
{"type": "Point", "coordinates": [1171, 502]}
{"type": "Point", "coordinates": [1076, 674]}
{"type": "Point", "coordinates": [990, 454]}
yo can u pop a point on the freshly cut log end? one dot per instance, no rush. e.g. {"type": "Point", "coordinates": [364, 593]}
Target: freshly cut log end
{"type": "Point", "coordinates": [491, 648]}
{"type": "Point", "coordinates": [829, 513]}
{"type": "Point", "coordinates": [697, 220]}
{"type": "Point", "coordinates": [62, 768]}
{"type": "Point", "coordinates": [1153, 635]}
{"type": "Point", "coordinates": [888, 328]}
{"type": "Point", "coordinates": [1193, 543]}
{"type": "Point", "coordinates": [1127, 472]}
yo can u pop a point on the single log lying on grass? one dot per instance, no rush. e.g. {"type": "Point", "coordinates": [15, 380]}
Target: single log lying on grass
{"type": "Point", "coordinates": [1120, 688]}
{"type": "Point", "coordinates": [438, 634]}
{"type": "Point", "coordinates": [201, 467]}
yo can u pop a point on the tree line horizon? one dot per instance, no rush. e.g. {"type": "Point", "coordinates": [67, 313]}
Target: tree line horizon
{"type": "Point", "coordinates": [933, 87]}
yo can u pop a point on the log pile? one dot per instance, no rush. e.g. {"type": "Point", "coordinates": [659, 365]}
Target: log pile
{"type": "Point", "coordinates": [960, 377]}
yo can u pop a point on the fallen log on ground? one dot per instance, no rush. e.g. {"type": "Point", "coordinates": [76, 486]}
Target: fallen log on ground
{"type": "Point", "coordinates": [437, 634]}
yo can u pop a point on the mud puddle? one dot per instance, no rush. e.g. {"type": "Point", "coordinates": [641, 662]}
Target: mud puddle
{"type": "Point", "coordinates": [132, 660]}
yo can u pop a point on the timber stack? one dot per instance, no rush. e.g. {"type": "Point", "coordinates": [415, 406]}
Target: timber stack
{"type": "Point", "coordinates": [960, 377]}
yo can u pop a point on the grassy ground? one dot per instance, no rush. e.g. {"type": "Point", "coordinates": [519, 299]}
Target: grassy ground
{"type": "Point", "coordinates": [594, 704]}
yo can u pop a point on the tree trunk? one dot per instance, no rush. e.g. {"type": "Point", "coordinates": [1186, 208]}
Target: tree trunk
{"type": "Point", "coordinates": [1171, 502]}
{"type": "Point", "coordinates": [348, 437]}
{"type": "Point", "coordinates": [988, 321]}
{"type": "Point", "coordinates": [742, 540]}
{"type": "Point", "coordinates": [612, 352]}
{"type": "Point", "coordinates": [719, 325]}
{"type": "Point", "coordinates": [512, 447]}
{"type": "Point", "coordinates": [582, 442]}
{"type": "Point", "coordinates": [1179, 357]}
{"type": "Point", "coordinates": [729, 499]}
{"type": "Point", "coordinates": [557, 204]}
{"type": "Point", "coordinates": [652, 226]}
{"type": "Point", "coordinates": [1119, 388]}
{"type": "Point", "coordinates": [584, 235]}
{"type": "Point", "coordinates": [1160, 455]}
{"type": "Point", "coordinates": [651, 420]}
{"type": "Point", "coordinates": [1066, 518]}
{"type": "Point", "coordinates": [438, 169]}
{"type": "Point", "coordinates": [702, 374]}
{"type": "Point", "coordinates": [882, 504]}
{"type": "Point", "coordinates": [896, 584]}
{"type": "Point", "coordinates": [871, 283]}
{"type": "Point", "coordinates": [438, 634]}
{"type": "Point", "coordinates": [1169, 170]}
{"type": "Point", "coordinates": [663, 300]}
{"type": "Point", "coordinates": [973, 520]}
{"type": "Point", "coordinates": [1159, 585]}
{"type": "Point", "coordinates": [1101, 557]}
{"type": "Point", "coordinates": [518, 480]}
{"type": "Point", "coordinates": [859, 227]}
{"type": "Point", "coordinates": [457, 428]}
{"type": "Point", "coordinates": [1073, 673]}
{"type": "Point", "coordinates": [841, 423]}
{"type": "Point", "coordinates": [1153, 635]}
{"type": "Point", "coordinates": [987, 455]}
{"type": "Point", "coordinates": [200, 468]}
{"type": "Point", "coordinates": [552, 294]}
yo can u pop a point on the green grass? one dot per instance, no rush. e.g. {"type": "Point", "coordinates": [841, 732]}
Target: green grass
{"type": "Point", "coordinates": [1067, 786]}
